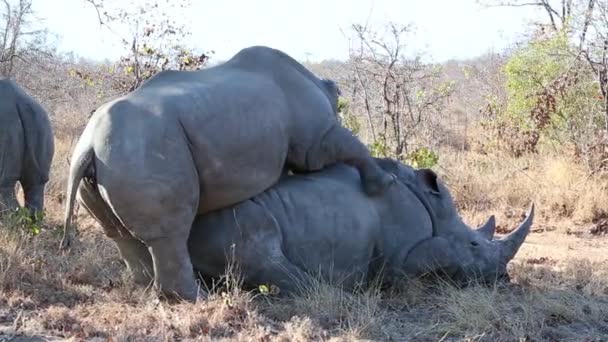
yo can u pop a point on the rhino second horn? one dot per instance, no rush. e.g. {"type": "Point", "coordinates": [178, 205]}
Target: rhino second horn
{"type": "Point", "coordinates": [512, 242]}
{"type": "Point", "coordinates": [488, 229]}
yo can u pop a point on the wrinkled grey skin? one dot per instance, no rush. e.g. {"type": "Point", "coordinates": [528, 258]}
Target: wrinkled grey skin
{"type": "Point", "coordinates": [26, 148]}
{"type": "Point", "coordinates": [189, 142]}
{"type": "Point", "coordinates": [322, 224]}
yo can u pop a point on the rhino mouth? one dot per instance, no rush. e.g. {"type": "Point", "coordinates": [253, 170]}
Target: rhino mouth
{"type": "Point", "coordinates": [467, 279]}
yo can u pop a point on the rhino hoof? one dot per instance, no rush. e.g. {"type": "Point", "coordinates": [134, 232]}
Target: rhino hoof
{"type": "Point", "coordinates": [378, 186]}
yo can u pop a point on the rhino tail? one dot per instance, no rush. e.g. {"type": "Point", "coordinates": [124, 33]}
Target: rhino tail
{"type": "Point", "coordinates": [81, 163]}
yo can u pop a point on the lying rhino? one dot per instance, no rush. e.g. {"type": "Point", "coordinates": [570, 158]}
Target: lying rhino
{"type": "Point", "coordinates": [189, 142]}
{"type": "Point", "coordinates": [321, 223]}
{"type": "Point", "coordinates": [26, 148]}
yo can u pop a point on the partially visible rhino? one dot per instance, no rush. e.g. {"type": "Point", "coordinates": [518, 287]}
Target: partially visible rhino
{"type": "Point", "coordinates": [26, 148]}
{"type": "Point", "coordinates": [189, 142]}
{"type": "Point", "coordinates": [322, 224]}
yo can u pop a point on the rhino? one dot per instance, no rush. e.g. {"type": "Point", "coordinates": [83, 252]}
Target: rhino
{"type": "Point", "coordinates": [189, 142]}
{"type": "Point", "coordinates": [320, 224]}
{"type": "Point", "coordinates": [26, 148]}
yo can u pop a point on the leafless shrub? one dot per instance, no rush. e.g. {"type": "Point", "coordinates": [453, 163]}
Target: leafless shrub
{"type": "Point", "coordinates": [155, 43]}
{"type": "Point", "coordinates": [400, 96]}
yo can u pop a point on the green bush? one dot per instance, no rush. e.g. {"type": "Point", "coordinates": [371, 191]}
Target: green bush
{"type": "Point", "coordinates": [348, 119]}
{"type": "Point", "coordinates": [550, 96]}
{"type": "Point", "coordinates": [378, 149]}
{"type": "Point", "coordinates": [422, 158]}
{"type": "Point", "coordinates": [23, 219]}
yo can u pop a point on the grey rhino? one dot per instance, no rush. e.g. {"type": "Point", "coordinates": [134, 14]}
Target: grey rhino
{"type": "Point", "coordinates": [26, 148]}
{"type": "Point", "coordinates": [189, 142]}
{"type": "Point", "coordinates": [322, 224]}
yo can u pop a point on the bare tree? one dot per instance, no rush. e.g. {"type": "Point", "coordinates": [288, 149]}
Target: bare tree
{"type": "Point", "coordinates": [18, 37]}
{"type": "Point", "coordinates": [398, 94]}
{"type": "Point", "coordinates": [153, 43]}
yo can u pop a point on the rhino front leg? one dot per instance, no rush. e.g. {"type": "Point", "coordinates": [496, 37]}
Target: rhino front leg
{"type": "Point", "coordinates": [340, 145]}
{"type": "Point", "coordinates": [134, 252]}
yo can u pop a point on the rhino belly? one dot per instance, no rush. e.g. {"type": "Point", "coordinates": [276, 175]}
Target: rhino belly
{"type": "Point", "coordinates": [234, 172]}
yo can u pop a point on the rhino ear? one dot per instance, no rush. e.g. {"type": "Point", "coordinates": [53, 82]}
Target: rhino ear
{"type": "Point", "coordinates": [331, 86]}
{"type": "Point", "coordinates": [429, 178]}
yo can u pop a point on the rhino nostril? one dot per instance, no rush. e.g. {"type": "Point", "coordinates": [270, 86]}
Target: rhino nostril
{"type": "Point", "coordinates": [474, 243]}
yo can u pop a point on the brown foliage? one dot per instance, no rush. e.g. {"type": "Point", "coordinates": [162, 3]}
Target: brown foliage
{"type": "Point", "coordinates": [155, 44]}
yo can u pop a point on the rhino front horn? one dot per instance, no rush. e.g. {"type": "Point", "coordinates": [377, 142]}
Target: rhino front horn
{"type": "Point", "coordinates": [488, 228]}
{"type": "Point", "coordinates": [512, 242]}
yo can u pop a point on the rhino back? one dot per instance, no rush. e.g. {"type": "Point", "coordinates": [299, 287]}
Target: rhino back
{"type": "Point", "coordinates": [36, 144]}
{"type": "Point", "coordinates": [242, 120]}
{"type": "Point", "coordinates": [308, 99]}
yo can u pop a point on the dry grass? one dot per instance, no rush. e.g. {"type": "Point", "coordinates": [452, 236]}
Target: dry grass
{"type": "Point", "coordinates": [560, 289]}
{"type": "Point", "coordinates": [567, 198]}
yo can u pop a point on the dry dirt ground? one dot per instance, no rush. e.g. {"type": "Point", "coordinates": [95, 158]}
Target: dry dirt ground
{"type": "Point", "coordinates": [559, 289]}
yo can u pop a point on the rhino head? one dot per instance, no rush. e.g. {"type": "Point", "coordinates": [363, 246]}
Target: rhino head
{"type": "Point", "coordinates": [455, 250]}
{"type": "Point", "coordinates": [333, 92]}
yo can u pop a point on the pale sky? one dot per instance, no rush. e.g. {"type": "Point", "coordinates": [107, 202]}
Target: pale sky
{"type": "Point", "coordinates": [304, 29]}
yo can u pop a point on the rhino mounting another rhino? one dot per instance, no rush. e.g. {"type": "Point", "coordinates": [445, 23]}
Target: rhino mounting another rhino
{"type": "Point", "coordinates": [190, 142]}
{"type": "Point", "coordinates": [26, 148]}
{"type": "Point", "coordinates": [321, 223]}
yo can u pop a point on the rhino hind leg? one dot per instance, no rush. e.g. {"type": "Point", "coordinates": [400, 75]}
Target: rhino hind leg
{"type": "Point", "coordinates": [137, 257]}
{"type": "Point", "coordinates": [134, 252]}
{"type": "Point", "coordinates": [160, 214]}
{"type": "Point", "coordinates": [170, 261]}
{"type": "Point", "coordinates": [173, 271]}
{"type": "Point", "coordinates": [340, 145]}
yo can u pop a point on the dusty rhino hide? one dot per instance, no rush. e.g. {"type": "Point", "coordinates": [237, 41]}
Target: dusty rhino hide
{"type": "Point", "coordinates": [321, 224]}
{"type": "Point", "coordinates": [26, 148]}
{"type": "Point", "coordinates": [190, 142]}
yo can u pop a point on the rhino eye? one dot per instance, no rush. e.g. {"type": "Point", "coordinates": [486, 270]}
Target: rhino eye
{"type": "Point", "coordinates": [474, 243]}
